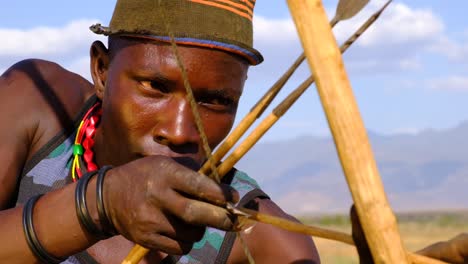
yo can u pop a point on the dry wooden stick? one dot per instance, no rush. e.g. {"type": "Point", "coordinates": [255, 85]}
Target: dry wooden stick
{"type": "Point", "coordinates": [285, 105]}
{"type": "Point", "coordinates": [346, 9]}
{"type": "Point", "coordinates": [349, 133]}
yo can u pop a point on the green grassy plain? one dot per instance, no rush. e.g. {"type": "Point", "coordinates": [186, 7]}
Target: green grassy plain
{"type": "Point", "coordinates": [417, 230]}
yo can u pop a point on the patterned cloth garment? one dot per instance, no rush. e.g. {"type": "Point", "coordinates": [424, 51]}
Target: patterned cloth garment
{"type": "Point", "coordinates": [49, 169]}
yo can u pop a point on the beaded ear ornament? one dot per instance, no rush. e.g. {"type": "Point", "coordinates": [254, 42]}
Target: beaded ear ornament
{"type": "Point", "coordinates": [83, 155]}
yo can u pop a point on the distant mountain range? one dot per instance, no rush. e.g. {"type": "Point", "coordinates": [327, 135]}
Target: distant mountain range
{"type": "Point", "coordinates": [421, 172]}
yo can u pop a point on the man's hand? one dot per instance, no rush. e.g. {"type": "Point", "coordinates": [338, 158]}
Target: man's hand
{"type": "Point", "coordinates": [163, 205]}
{"type": "Point", "coordinates": [453, 251]}
{"type": "Point", "coordinates": [362, 247]}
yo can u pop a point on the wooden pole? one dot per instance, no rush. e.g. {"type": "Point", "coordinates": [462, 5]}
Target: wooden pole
{"type": "Point", "coordinates": [349, 133]}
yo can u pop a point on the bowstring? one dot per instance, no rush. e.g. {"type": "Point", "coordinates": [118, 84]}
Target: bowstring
{"type": "Point", "coordinates": [196, 115]}
{"type": "Point", "coordinates": [246, 248]}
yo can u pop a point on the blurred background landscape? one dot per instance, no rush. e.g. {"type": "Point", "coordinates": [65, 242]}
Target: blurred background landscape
{"type": "Point", "coordinates": [424, 174]}
{"type": "Point", "coordinates": [426, 171]}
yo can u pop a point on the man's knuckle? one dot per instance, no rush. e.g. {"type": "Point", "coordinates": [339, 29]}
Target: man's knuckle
{"type": "Point", "coordinates": [188, 214]}
{"type": "Point", "coordinates": [196, 182]}
{"type": "Point", "coordinates": [227, 223]}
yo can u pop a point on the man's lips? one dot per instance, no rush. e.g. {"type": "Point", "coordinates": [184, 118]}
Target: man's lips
{"type": "Point", "coordinates": [188, 161]}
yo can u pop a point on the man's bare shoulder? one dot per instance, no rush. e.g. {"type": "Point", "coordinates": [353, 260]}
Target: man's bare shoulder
{"type": "Point", "coordinates": [46, 77]}
{"type": "Point", "coordinates": [45, 95]}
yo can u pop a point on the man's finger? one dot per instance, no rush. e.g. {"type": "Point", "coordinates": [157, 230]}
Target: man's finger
{"type": "Point", "coordinates": [203, 188]}
{"type": "Point", "coordinates": [200, 213]}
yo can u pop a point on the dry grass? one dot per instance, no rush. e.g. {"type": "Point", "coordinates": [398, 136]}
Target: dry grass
{"type": "Point", "coordinates": [417, 230]}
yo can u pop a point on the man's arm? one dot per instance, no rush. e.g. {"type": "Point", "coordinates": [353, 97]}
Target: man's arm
{"type": "Point", "coordinates": [269, 244]}
{"type": "Point", "coordinates": [16, 131]}
{"type": "Point", "coordinates": [454, 250]}
{"type": "Point", "coordinates": [27, 121]}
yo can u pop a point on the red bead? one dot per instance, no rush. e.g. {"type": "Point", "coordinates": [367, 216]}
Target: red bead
{"type": "Point", "coordinates": [92, 167]}
{"type": "Point", "coordinates": [88, 144]}
{"type": "Point", "coordinates": [90, 131]}
{"type": "Point", "coordinates": [93, 120]}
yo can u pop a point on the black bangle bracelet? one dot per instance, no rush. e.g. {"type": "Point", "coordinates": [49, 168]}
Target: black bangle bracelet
{"type": "Point", "coordinates": [81, 206]}
{"type": "Point", "coordinates": [106, 223]}
{"type": "Point", "coordinates": [31, 237]}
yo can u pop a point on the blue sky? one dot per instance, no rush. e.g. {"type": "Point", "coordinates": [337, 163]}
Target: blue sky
{"type": "Point", "coordinates": [409, 73]}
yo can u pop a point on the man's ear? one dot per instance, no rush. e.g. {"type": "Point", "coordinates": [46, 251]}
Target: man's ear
{"type": "Point", "coordinates": [99, 65]}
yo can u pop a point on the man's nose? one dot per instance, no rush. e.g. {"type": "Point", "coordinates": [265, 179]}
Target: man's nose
{"type": "Point", "coordinates": [177, 127]}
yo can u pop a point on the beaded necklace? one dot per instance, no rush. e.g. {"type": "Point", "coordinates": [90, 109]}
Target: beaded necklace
{"type": "Point", "coordinates": [84, 142]}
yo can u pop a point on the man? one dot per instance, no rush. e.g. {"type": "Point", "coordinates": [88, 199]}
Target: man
{"type": "Point", "coordinates": [57, 127]}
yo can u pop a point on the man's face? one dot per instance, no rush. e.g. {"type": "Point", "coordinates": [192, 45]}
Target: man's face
{"type": "Point", "coordinates": [145, 106]}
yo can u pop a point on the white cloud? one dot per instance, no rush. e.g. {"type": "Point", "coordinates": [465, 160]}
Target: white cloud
{"type": "Point", "coordinates": [455, 51]}
{"type": "Point", "coordinates": [453, 83]}
{"type": "Point", "coordinates": [410, 64]}
{"type": "Point", "coordinates": [384, 65]}
{"type": "Point", "coordinates": [42, 41]}
{"type": "Point", "coordinates": [81, 67]}
{"type": "Point", "coordinates": [400, 24]}
{"type": "Point", "coordinates": [67, 45]}
{"type": "Point", "coordinates": [274, 30]}
{"type": "Point", "coordinates": [277, 40]}
{"type": "Point", "coordinates": [396, 42]}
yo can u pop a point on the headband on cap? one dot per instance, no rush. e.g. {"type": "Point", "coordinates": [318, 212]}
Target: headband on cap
{"type": "Point", "coordinates": [219, 24]}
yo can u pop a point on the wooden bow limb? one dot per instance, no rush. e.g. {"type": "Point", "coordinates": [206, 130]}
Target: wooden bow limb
{"type": "Point", "coordinates": [349, 133]}
{"type": "Point", "coordinates": [346, 9]}
{"type": "Point", "coordinates": [286, 104]}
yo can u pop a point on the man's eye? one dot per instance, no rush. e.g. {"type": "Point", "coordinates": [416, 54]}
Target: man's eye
{"type": "Point", "coordinates": [220, 101]}
{"type": "Point", "coordinates": [154, 85]}
{"type": "Point", "coordinates": [217, 103]}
